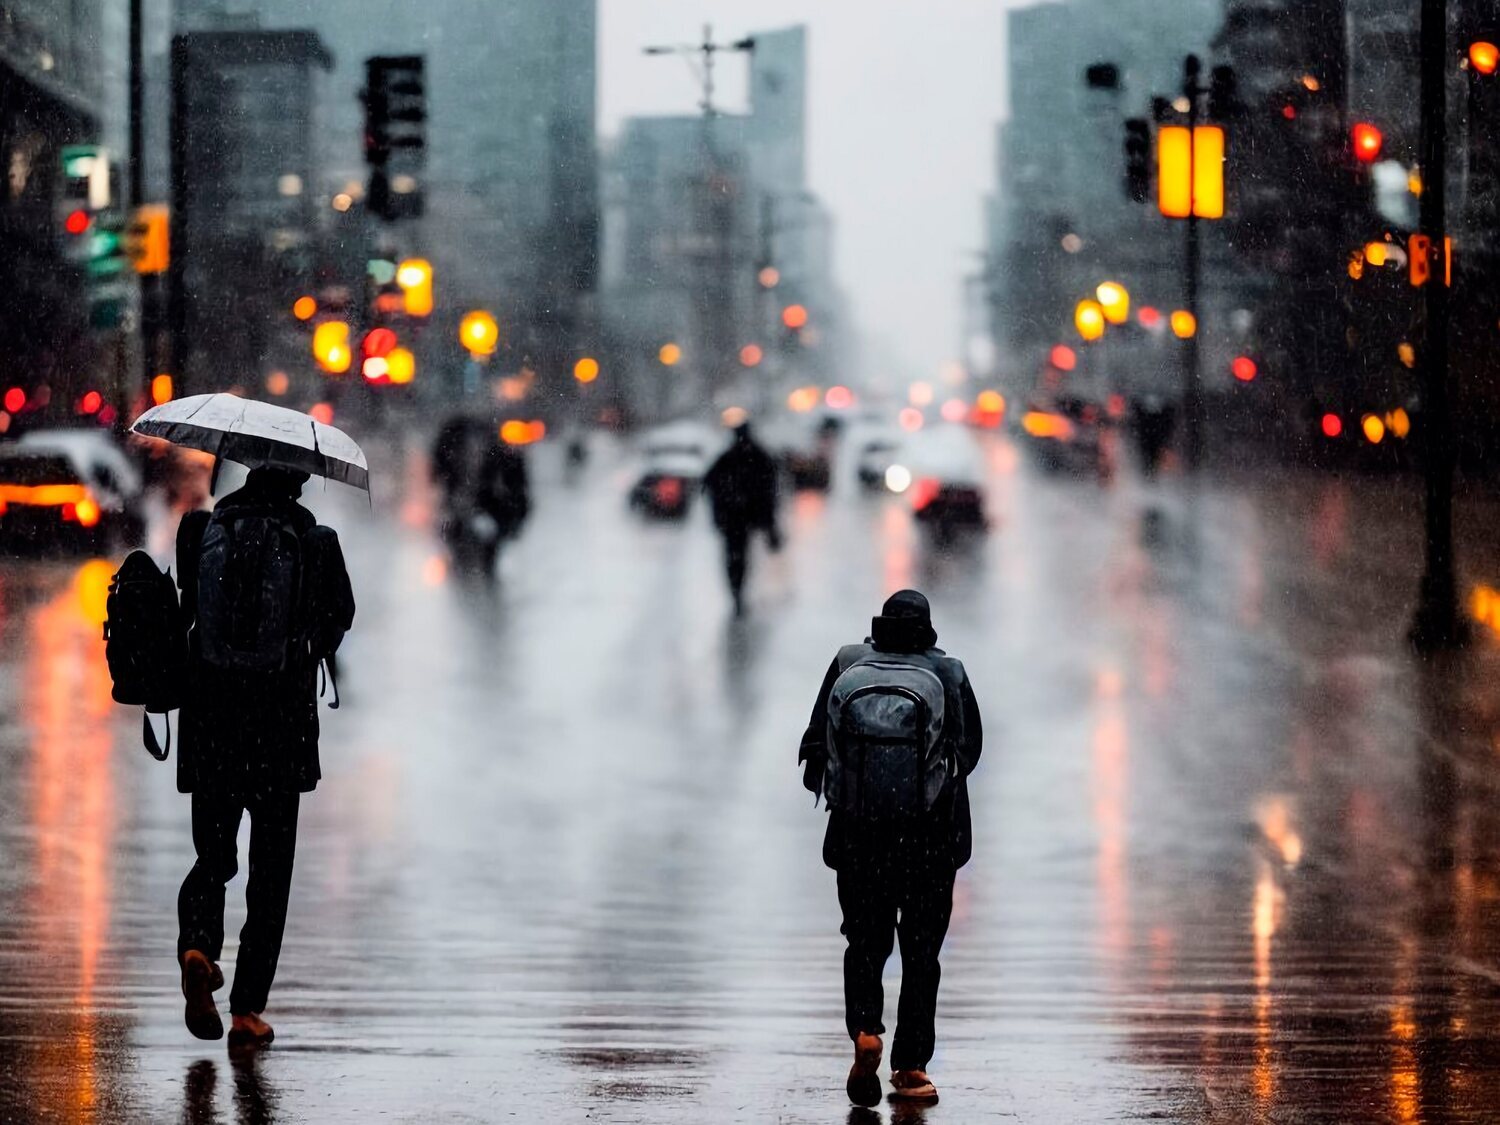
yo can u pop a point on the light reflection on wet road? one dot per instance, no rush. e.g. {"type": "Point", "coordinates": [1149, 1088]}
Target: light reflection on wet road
{"type": "Point", "coordinates": [1237, 859]}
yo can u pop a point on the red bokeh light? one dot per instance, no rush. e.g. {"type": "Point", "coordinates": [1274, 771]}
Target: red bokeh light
{"type": "Point", "coordinates": [911, 419]}
{"type": "Point", "coordinates": [379, 343]}
{"type": "Point", "coordinates": [1244, 368]}
{"type": "Point", "coordinates": [1064, 358]}
{"type": "Point", "coordinates": [1289, 111]}
{"type": "Point", "coordinates": [839, 398]}
{"type": "Point", "coordinates": [77, 222]}
{"type": "Point", "coordinates": [1333, 425]}
{"type": "Point", "coordinates": [794, 316]}
{"type": "Point", "coordinates": [1368, 141]}
{"type": "Point", "coordinates": [90, 403]}
{"type": "Point", "coordinates": [15, 399]}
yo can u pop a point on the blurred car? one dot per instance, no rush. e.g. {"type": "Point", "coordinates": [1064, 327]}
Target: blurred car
{"type": "Point", "coordinates": [66, 485]}
{"type": "Point", "coordinates": [874, 457]}
{"type": "Point", "coordinates": [804, 448]}
{"type": "Point", "coordinates": [942, 473]}
{"type": "Point", "coordinates": [1065, 435]}
{"type": "Point", "coordinates": [674, 460]}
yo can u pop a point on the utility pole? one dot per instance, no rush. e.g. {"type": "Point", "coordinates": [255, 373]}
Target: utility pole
{"type": "Point", "coordinates": [1437, 624]}
{"type": "Point", "coordinates": [1192, 378]}
{"type": "Point", "coordinates": [715, 214]}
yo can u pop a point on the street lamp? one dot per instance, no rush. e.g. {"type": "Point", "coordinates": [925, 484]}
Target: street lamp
{"type": "Point", "coordinates": [1115, 301]}
{"type": "Point", "coordinates": [670, 355]}
{"type": "Point", "coordinates": [1088, 318]}
{"type": "Point", "coordinates": [479, 332]}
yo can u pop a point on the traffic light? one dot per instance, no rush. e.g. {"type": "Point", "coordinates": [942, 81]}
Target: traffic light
{"type": "Point", "coordinates": [1137, 159]}
{"type": "Point", "coordinates": [395, 98]}
{"type": "Point", "coordinates": [1222, 98]}
{"type": "Point", "coordinates": [414, 276]}
{"type": "Point", "coordinates": [148, 239]}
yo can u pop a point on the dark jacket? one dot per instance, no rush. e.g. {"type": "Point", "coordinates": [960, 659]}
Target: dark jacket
{"type": "Point", "coordinates": [247, 734]}
{"type": "Point", "coordinates": [946, 836]}
{"type": "Point", "coordinates": [741, 487]}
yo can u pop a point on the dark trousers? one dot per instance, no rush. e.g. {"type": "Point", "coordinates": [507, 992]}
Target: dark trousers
{"type": "Point", "coordinates": [200, 903]}
{"type": "Point", "coordinates": [736, 556]}
{"type": "Point", "coordinates": [881, 902]}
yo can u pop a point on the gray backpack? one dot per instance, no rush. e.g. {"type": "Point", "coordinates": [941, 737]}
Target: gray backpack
{"type": "Point", "coordinates": [887, 758]}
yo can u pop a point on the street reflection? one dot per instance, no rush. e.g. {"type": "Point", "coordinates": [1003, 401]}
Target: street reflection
{"type": "Point", "coordinates": [65, 706]}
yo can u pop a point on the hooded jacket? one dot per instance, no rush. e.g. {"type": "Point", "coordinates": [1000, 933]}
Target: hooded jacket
{"type": "Point", "coordinates": [945, 838]}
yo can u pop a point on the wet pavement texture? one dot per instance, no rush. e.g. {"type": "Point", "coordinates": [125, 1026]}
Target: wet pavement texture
{"type": "Point", "coordinates": [1237, 854]}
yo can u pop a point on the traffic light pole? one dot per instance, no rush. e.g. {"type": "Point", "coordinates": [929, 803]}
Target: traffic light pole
{"type": "Point", "coordinates": [1437, 625]}
{"type": "Point", "coordinates": [1192, 377]}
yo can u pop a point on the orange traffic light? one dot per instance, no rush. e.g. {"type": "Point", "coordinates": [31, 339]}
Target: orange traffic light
{"type": "Point", "coordinates": [1190, 171]}
{"type": "Point", "coordinates": [414, 276]}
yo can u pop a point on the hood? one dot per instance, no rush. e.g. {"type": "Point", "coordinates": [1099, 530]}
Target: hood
{"type": "Point", "coordinates": [904, 624]}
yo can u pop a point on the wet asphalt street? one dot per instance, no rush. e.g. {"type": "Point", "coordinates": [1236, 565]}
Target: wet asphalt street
{"type": "Point", "coordinates": [1237, 856]}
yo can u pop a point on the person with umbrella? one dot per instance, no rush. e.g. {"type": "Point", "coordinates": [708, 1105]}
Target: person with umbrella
{"type": "Point", "coordinates": [266, 599]}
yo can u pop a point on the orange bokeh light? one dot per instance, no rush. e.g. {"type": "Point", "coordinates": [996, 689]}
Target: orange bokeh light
{"type": "Point", "coordinates": [794, 316]}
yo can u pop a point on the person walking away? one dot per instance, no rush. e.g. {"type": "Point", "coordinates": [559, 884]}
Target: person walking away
{"type": "Point", "coordinates": [266, 597]}
{"type": "Point", "coordinates": [893, 737]}
{"type": "Point", "coordinates": [741, 487]}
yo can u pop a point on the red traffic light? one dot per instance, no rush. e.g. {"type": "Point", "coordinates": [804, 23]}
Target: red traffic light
{"type": "Point", "coordinates": [1243, 368]}
{"type": "Point", "coordinates": [77, 222]}
{"type": "Point", "coordinates": [1368, 142]}
{"type": "Point", "coordinates": [379, 343]}
{"type": "Point", "coordinates": [1333, 425]}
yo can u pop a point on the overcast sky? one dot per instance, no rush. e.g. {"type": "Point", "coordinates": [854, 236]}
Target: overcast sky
{"type": "Point", "coordinates": [903, 99]}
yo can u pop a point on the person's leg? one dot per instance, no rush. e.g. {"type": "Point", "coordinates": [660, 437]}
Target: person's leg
{"type": "Point", "coordinates": [273, 844]}
{"type": "Point", "coordinates": [869, 927]}
{"type": "Point", "coordinates": [736, 559]}
{"type": "Point", "coordinates": [200, 902]}
{"type": "Point", "coordinates": [927, 905]}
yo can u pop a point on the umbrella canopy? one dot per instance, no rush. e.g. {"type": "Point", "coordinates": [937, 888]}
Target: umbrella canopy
{"type": "Point", "coordinates": [257, 434]}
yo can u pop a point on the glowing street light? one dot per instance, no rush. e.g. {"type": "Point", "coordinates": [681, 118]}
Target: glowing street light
{"type": "Point", "coordinates": [1184, 324]}
{"type": "Point", "coordinates": [330, 346]}
{"type": "Point", "coordinates": [479, 332]}
{"type": "Point", "coordinates": [1484, 56]}
{"type": "Point", "coordinates": [794, 316]}
{"type": "Point", "coordinates": [415, 278]}
{"type": "Point", "coordinates": [586, 370]}
{"type": "Point", "coordinates": [751, 355]}
{"type": "Point", "coordinates": [1088, 318]}
{"type": "Point", "coordinates": [1115, 301]}
{"type": "Point", "coordinates": [670, 355]}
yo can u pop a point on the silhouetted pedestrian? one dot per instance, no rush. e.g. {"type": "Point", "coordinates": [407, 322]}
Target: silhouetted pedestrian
{"type": "Point", "coordinates": [266, 597]}
{"type": "Point", "coordinates": [892, 739]}
{"type": "Point", "coordinates": [741, 487]}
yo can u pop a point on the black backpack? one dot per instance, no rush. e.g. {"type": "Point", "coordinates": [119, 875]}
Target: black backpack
{"type": "Point", "coordinates": [888, 759]}
{"type": "Point", "coordinates": [145, 642]}
{"type": "Point", "coordinates": [250, 605]}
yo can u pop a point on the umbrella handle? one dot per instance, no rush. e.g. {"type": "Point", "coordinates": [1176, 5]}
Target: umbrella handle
{"type": "Point", "coordinates": [213, 480]}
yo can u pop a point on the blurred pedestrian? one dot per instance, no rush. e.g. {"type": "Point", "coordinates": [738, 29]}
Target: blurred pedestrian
{"type": "Point", "coordinates": [266, 597]}
{"type": "Point", "coordinates": [741, 487]}
{"type": "Point", "coordinates": [893, 737]}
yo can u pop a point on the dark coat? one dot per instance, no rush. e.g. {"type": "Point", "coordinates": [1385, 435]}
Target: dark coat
{"type": "Point", "coordinates": [946, 836]}
{"type": "Point", "coordinates": [741, 487]}
{"type": "Point", "coordinates": [246, 734]}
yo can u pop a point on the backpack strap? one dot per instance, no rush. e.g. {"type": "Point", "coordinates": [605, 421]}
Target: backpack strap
{"type": "Point", "coordinates": [148, 736]}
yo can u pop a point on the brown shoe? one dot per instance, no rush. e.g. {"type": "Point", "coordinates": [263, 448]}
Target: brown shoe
{"type": "Point", "coordinates": [249, 1032]}
{"type": "Point", "coordinates": [863, 1086]}
{"type": "Point", "coordinates": [912, 1086]}
{"type": "Point", "coordinates": [200, 977]}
